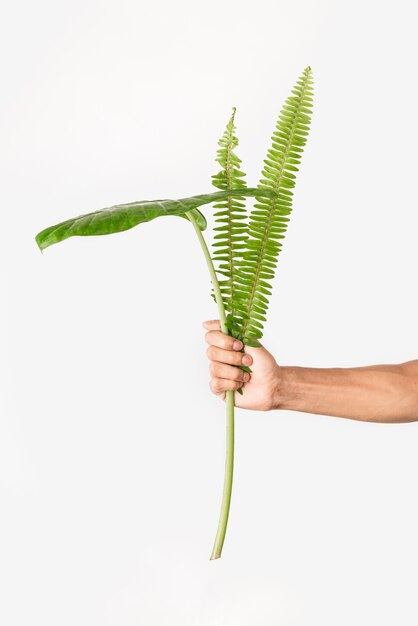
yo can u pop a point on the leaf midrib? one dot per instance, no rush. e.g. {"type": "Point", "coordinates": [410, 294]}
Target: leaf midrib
{"type": "Point", "coordinates": [229, 200]}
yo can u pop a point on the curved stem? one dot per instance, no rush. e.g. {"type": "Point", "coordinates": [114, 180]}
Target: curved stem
{"type": "Point", "coordinates": [229, 459]}
{"type": "Point", "coordinates": [212, 272]}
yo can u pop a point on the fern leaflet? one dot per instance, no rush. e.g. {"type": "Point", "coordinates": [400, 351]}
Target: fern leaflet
{"type": "Point", "coordinates": [269, 217]}
{"type": "Point", "coordinates": [231, 214]}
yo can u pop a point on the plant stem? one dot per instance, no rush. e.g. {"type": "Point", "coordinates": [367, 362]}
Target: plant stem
{"type": "Point", "coordinates": [229, 471]}
{"type": "Point", "coordinates": [229, 459]}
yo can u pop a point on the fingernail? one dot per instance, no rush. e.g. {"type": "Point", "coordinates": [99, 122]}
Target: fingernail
{"type": "Point", "coordinates": [246, 359]}
{"type": "Point", "coordinates": [246, 377]}
{"type": "Point", "coordinates": [237, 345]}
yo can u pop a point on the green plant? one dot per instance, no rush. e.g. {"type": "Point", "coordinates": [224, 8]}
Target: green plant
{"type": "Point", "coordinates": [245, 248]}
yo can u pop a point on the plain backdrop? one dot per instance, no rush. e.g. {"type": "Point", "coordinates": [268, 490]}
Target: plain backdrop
{"type": "Point", "coordinates": [111, 445]}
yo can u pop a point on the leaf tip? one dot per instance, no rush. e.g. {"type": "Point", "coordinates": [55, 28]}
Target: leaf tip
{"type": "Point", "coordinates": [39, 243]}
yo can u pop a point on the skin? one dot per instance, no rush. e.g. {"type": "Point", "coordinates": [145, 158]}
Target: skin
{"type": "Point", "coordinates": [375, 393]}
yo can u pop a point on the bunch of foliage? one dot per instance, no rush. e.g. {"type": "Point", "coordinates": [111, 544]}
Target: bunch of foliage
{"type": "Point", "coordinates": [246, 246]}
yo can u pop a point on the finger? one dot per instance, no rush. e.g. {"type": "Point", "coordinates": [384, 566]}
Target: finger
{"type": "Point", "coordinates": [228, 356]}
{"type": "Point", "coordinates": [220, 370]}
{"type": "Point", "coordinates": [220, 385]}
{"type": "Point", "coordinates": [212, 325]}
{"type": "Point", "coordinates": [218, 339]}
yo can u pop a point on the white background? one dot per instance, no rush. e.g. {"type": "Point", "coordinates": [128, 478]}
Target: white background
{"type": "Point", "coordinates": [111, 446]}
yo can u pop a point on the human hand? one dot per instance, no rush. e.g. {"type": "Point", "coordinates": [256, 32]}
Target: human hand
{"type": "Point", "coordinates": [259, 387]}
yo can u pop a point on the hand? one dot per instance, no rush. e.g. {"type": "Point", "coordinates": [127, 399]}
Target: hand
{"type": "Point", "coordinates": [259, 388]}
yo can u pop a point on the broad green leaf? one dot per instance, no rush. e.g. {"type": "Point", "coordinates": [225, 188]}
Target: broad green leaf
{"type": "Point", "coordinates": [122, 217]}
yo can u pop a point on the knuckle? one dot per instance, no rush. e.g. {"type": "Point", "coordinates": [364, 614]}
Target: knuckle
{"type": "Point", "coordinates": [209, 352]}
{"type": "Point", "coordinates": [216, 385]}
{"type": "Point", "coordinates": [211, 337]}
{"type": "Point", "coordinates": [213, 368]}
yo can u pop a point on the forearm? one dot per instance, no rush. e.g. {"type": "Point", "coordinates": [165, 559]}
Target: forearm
{"type": "Point", "coordinates": [376, 393]}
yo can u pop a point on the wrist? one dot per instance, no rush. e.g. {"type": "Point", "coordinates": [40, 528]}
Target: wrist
{"type": "Point", "coordinates": [285, 390]}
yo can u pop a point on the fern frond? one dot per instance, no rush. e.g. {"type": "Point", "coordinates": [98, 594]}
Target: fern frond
{"type": "Point", "coordinates": [269, 217]}
{"type": "Point", "coordinates": [231, 214]}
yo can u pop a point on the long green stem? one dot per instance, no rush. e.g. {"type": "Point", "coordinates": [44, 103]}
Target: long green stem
{"type": "Point", "coordinates": [229, 459]}
{"type": "Point", "coordinates": [229, 472]}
